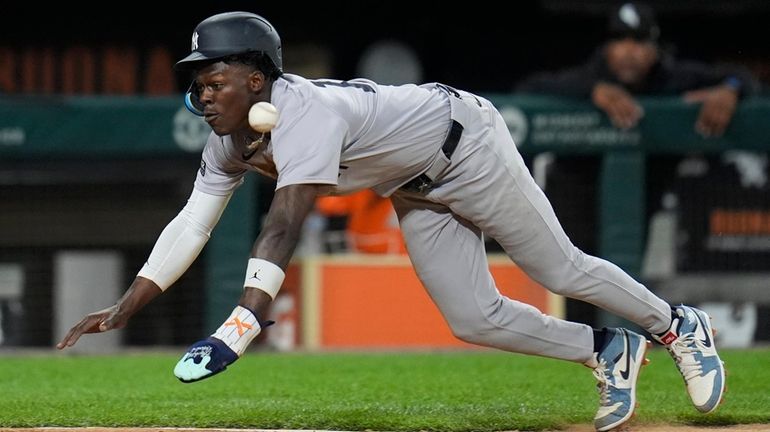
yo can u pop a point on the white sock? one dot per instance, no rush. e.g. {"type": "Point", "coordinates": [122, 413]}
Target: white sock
{"type": "Point", "coordinates": [238, 330]}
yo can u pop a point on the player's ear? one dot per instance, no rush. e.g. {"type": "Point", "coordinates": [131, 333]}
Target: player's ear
{"type": "Point", "coordinates": [257, 81]}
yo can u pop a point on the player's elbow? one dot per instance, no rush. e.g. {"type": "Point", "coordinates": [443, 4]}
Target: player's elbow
{"type": "Point", "coordinates": [201, 229]}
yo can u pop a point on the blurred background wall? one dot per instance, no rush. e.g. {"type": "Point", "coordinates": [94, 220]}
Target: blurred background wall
{"type": "Point", "coordinates": [478, 47]}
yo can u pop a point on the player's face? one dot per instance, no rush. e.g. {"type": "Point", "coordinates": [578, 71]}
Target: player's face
{"type": "Point", "coordinates": [631, 60]}
{"type": "Point", "coordinates": [226, 96]}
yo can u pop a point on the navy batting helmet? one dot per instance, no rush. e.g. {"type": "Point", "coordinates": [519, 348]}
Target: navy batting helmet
{"type": "Point", "coordinates": [232, 33]}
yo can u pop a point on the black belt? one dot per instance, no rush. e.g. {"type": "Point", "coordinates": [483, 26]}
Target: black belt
{"type": "Point", "coordinates": [423, 183]}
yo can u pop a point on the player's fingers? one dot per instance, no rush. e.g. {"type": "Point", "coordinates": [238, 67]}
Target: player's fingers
{"type": "Point", "coordinates": [707, 127]}
{"type": "Point", "coordinates": [89, 324]}
{"type": "Point", "coordinates": [615, 115]}
{"type": "Point", "coordinates": [619, 120]}
{"type": "Point", "coordinates": [703, 124]}
{"type": "Point", "coordinates": [630, 119]}
{"type": "Point", "coordinates": [632, 111]}
{"type": "Point", "coordinates": [718, 122]}
{"type": "Point", "coordinates": [625, 115]}
{"type": "Point", "coordinates": [702, 129]}
{"type": "Point", "coordinates": [712, 120]}
{"type": "Point", "coordinates": [70, 338]}
{"type": "Point", "coordinates": [722, 124]}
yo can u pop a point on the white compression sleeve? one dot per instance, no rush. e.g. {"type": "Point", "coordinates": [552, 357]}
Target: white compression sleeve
{"type": "Point", "coordinates": [183, 238]}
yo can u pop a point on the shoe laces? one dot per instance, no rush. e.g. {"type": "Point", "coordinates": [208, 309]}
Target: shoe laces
{"type": "Point", "coordinates": [682, 349]}
{"type": "Point", "coordinates": [601, 373]}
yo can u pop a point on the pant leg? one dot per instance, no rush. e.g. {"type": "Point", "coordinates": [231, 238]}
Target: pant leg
{"type": "Point", "coordinates": [449, 257]}
{"type": "Point", "coordinates": [490, 185]}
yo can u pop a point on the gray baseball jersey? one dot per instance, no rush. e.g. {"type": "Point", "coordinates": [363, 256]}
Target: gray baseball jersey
{"type": "Point", "coordinates": [357, 134]}
{"type": "Point", "coordinates": [351, 135]}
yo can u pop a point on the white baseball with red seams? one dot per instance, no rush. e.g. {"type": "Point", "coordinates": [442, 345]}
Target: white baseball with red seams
{"type": "Point", "coordinates": [263, 116]}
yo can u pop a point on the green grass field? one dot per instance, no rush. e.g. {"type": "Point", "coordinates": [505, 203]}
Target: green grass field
{"type": "Point", "coordinates": [455, 391]}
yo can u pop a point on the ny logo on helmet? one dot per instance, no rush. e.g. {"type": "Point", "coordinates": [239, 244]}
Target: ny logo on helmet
{"type": "Point", "coordinates": [194, 41]}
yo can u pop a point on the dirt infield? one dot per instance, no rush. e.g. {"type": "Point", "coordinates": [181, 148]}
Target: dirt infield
{"type": "Point", "coordinates": [576, 428]}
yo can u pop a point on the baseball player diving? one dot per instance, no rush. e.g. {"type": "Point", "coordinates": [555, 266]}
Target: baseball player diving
{"type": "Point", "coordinates": [447, 161]}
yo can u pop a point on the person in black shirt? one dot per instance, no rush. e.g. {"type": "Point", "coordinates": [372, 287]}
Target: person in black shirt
{"type": "Point", "coordinates": [629, 64]}
{"type": "Point", "coordinates": [632, 63]}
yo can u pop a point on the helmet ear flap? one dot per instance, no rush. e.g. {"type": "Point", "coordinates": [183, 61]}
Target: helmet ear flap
{"type": "Point", "coordinates": [192, 100]}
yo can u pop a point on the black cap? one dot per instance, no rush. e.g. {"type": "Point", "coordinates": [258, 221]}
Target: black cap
{"type": "Point", "coordinates": [635, 20]}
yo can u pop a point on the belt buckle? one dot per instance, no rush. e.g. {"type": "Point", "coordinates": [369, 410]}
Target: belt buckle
{"type": "Point", "coordinates": [424, 185]}
{"type": "Point", "coordinates": [419, 184]}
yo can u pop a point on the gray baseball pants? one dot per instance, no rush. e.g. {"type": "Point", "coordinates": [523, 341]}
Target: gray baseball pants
{"type": "Point", "coordinates": [488, 188]}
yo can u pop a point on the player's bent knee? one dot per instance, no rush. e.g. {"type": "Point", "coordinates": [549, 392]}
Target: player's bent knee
{"type": "Point", "coordinates": [476, 332]}
{"type": "Point", "coordinates": [476, 336]}
{"type": "Point", "coordinates": [478, 325]}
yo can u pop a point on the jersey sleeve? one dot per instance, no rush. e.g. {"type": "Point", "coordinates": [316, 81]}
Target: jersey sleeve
{"type": "Point", "coordinates": [308, 150]}
{"type": "Point", "coordinates": [216, 175]}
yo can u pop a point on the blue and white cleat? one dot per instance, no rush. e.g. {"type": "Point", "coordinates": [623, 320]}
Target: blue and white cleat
{"type": "Point", "coordinates": [619, 365]}
{"type": "Point", "coordinates": [203, 359]}
{"type": "Point", "coordinates": [690, 341]}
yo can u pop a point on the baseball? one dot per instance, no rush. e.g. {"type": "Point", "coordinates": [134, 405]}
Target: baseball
{"type": "Point", "coordinates": [263, 116]}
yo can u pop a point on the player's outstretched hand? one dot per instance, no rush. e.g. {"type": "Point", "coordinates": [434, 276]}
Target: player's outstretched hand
{"type": "Point", "coordinates": [203, 359]}
{"type": "Point", "coordinates": [101, 321]}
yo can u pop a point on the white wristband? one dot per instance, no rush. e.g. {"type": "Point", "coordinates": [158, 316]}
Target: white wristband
{"type": "Point", "coordinates": [240, 328]}
{"type": "Point", "coordinates": [264, 275]}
